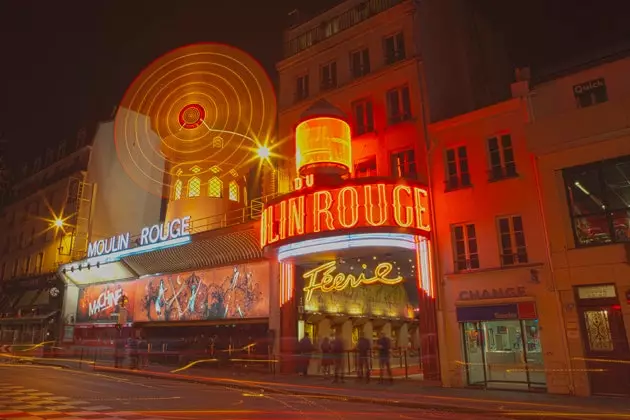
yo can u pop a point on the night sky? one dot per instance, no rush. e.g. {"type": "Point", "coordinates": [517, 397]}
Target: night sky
{"type": "Point", "coordinates": [67, 63]}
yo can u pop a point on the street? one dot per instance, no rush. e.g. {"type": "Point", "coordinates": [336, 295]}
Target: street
{"type": "Point", "coordinates": [31, 392]}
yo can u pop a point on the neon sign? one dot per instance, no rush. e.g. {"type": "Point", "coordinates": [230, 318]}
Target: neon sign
{"type": "Point", "coordinates": [368, 205]}
{"type": "Point", "coordinates": [323, 142]}
{"type": "Point", "coordinates": [328, 282]}
{"type": "Point", "coordinates": [150, 235]}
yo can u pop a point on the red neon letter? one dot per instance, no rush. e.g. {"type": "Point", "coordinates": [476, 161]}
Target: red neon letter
{"type": "Point", "coordinates": [420, 198]}
{"type": "Point", "coordinates": [271, 236]}
{"type": "Point", "coordinates": [296, 216]}
{"type": "Point", "coordinates": [398, 206]}
{"type": "Point", "coordinates": [348, 202]}
{"type": "Point", "coordinates": [369, 205]}
{"type": "Point", "coordinates": [283, 219]}
{"type": "Point", "coordinates": [319, 209]}
{"type": "Point", "coordinates": [263, 228]}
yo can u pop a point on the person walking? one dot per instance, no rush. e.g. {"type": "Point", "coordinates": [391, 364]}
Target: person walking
{"type": "Point", "coordinates": [364, 348]}
{"type": "Point", "coordinates": [326, 359]}
{"type": "Point", "coordinates": [384, 347]}
{"type": "Point", "coordinates": [337, 350]}
{"type": "Point", "coordinates": [305, 348]}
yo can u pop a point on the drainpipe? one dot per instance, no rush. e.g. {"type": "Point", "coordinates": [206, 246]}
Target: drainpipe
{"type": "Point", "coordinates": [543, 219]}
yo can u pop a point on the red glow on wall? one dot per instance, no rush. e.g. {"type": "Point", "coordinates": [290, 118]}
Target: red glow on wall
{"type": "Point", "coordinates": [385, 204]}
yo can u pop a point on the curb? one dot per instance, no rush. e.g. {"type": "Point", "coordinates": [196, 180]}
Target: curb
{"type": "Point", "coordinates": [284, 390]}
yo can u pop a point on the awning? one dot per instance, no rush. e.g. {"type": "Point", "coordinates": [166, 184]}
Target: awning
{"type": "Point", "coordinates": [208, 249]}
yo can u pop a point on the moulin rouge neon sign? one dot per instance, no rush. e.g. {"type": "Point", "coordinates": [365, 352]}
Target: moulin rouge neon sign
{"type": "Point", "coordinates": [367, 205]}
{"type": "Point", "coordinates": [328, 281]}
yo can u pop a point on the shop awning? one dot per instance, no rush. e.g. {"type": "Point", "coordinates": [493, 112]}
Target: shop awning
{"type": "Point", "coordinates": [208, 249]}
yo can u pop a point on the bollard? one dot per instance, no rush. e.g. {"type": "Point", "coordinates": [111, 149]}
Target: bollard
{"type": "Point", "coordinates": [406, 366]}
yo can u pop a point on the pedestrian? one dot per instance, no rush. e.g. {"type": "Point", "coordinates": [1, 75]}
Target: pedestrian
{"type": "Point", "coordinates": [143, 351]}
{"type": "Point", "coordinates": [384, 346]}
{"type": "Point", "coordinates": [337, 350]}
{"type": "Point", "coordinates": [133, 353]}
{"type": "Point", "coordinates": [364, 348]}
{"type": "Point", "coordinates": [326, 359]}
{"type": "Point", "coordinates": [305, 347]}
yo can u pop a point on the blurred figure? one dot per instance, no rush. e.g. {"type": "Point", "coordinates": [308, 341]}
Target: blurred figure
{"type": "Point", "coordinates": [363, 349]}
{"type": "Point", "coordinates": [326, 359]}
{"type": "Point", "coordinates": [133, 353]}
{"type": "Point", "coordinates": [337, 350]}
{"type": "Point", "coordinates": [143, 347]}
{"type": "Point", "coordinates": [384, 346]}
{"type": "Point", "coordinates": [119, 352]}
{"type": "Point", "coordinates": [305, 347]}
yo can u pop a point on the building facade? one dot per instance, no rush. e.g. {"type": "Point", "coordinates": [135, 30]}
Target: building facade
{"type": "Point", "coordinates": [359, 62]}
{"type": "Point", "coordinates": [497, 300]}
{"type": "Point", "coordinates": [579, 134]}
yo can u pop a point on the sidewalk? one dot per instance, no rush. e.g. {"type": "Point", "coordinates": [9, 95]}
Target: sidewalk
{"type": "Point", "coordinates": [402, 393]}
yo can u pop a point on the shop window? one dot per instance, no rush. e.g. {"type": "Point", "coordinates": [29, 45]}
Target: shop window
{"type": "Point", "coordinates": [363, 117]}
{"type": "Point", "coordinates": [394, 47]}
{"type": "Point", "coordinates": [215, 187]}
{"type": "Point", "coordinates": [360, 63]}
{"type": "Point", "coordinates": [403, 164]}
{"type": "Point", "coordinates": [501, 156]}
{"type": "Point", "coordinates": [328, 76]}
{"type": "Point", "coordinates": [457, 172]}
{"type": "Point", "coordinates": [177, 194]}
{"type": "Point", "coordinates": [365, 168]}
{"type": "Point", "coordinates": [465, 247]}
{"type": "Point", "coordinates": [599, 201]}
{"type": "Point", "coordinates": [512, 240]}
{"type": "Point", "coordinates": [234, 193]}
{"type": "Point", "coordinates": [301, 90]}
{"type": "Point", "coordinates": [398, 105]}
{"type": "Point", "coordinates": [194, 187]}
{"type": "Point", "coordinates": [590, 93]}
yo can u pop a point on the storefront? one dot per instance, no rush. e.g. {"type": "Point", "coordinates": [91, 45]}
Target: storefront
{"type": "Point", "coordinates": [214, 284]}
{"type": "Point", "coordinates": [354, 254]}
{"type": "Point", "coordinates": [30, 309]}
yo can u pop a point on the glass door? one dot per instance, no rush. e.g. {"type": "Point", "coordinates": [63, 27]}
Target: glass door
{"type": "Point", "coordinates": [473, 350]}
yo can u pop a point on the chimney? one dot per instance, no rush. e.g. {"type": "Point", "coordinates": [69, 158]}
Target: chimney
{"type": "Point", "coordinates": [520, 88]}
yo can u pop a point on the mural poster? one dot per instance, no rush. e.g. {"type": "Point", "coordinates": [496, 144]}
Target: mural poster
{"type": "Point", "coordinates": [99, 303]}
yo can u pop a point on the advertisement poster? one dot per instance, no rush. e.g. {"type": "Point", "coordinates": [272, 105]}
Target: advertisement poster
{"type": "Point", "coordinates": [239, 291]}
{"type": "Point", "coordinates": [99, 303]}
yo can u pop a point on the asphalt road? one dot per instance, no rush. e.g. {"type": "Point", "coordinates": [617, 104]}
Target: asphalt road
{"type": "Point", "coordinates": [41, 392]}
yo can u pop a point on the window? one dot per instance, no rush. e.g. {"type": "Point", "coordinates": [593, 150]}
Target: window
{"type": "Point", "coordinates": [403, 164]}
{"type": "Point", "coordinates": [61, 150]}
{"type": "Point", "coordinates": [301, 91]}
{"type": "Point", "coordinates": [465, 247]}
{"type": "Point", "coordinates": [217, 143]}
{"type": "Point", "coordinates": [363, 116]}
{"type": "Point", "coordinates": [590, 93]}
{"type": "Point", "coordinates": [512, 240]}
{"type": "Point", "coordinates": [329, 76]}
{"type": "Point", "coordinates": [215, 187]}
{"type": "Point", "coordinates": [233, 191]}
{"type": "Point", "coordinates": [360, 63]}
{"type": "Point", "coordinates": [394, 48]}
{"type": "Point", "coordinates": [194, 187]}
{"type": "Point", "coordinates": [457, 174]}
{"type": "Point", "coordinates": [398, 105]}
{"type": "Point", "coordinates": [365, 168]}
{"type": "Point", "coordinates": [501, 155]}
{"type": "Point", "coordinates": [39, 262]}
{"type": "Point", "coordinates": [599, 200]}
{"type": "Point", "coordinates": [177, 194]}
{"type": "Point", "coordinates": [331, 27]}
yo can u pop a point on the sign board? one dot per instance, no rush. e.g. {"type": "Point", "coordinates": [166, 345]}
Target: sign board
{"type": "Point", "coordinates": [499, 293]}
{"type": "Point", "coordinates": [149, 235]}
{"type": "Point", "coordinates": [524, 310]}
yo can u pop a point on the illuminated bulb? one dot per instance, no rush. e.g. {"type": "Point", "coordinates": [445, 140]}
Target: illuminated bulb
{"type": "Point", "coordinates": [374, 257]}
{"type": "Point", "coordinates": [263, 152]}
{"type": "Point", "coordinates": [364, 266]}
{"type": "Point", "coordinates": [58, 223]}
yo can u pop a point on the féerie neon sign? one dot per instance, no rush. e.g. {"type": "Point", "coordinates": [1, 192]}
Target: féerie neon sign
{"type": "Point", "coordinates": [360, 205]}
{"type": "Point", "coordinates": [328, 282]}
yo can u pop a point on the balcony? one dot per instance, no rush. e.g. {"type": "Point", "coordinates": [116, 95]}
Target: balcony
{"type": "Point", "coordinates": [337, 24]}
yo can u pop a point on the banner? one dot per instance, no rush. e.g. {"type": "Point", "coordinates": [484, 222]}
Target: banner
{"type": "Point", "coordinates": [240, 291]}
{"type": "Point", "coordinates": [100, 303]}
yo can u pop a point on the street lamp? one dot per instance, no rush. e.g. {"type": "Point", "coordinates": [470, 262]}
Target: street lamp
{"type": "Point", "coordinates": [58, 223]}
{"type": "Point", "coordinates": [263, 152]}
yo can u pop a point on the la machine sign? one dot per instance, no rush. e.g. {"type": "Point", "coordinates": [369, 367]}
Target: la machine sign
{"type": "Point", "coordinates": [360, 205]}
{"type": "Point", "coordinates": [149, 235]}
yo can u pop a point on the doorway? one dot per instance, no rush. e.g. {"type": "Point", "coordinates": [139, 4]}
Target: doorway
{"type": "Point", "coordinates": [605, 342]}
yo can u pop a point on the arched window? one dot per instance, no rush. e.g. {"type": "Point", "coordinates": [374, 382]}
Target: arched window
{"type": "Point", "coordinates": [194, 187]}
{"type": "Point", "coordinates": [177, 191]}
{"type": "Point", "coordinates": [215, 187]}
{"type": "Point", "coordinates": [233, 191]}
